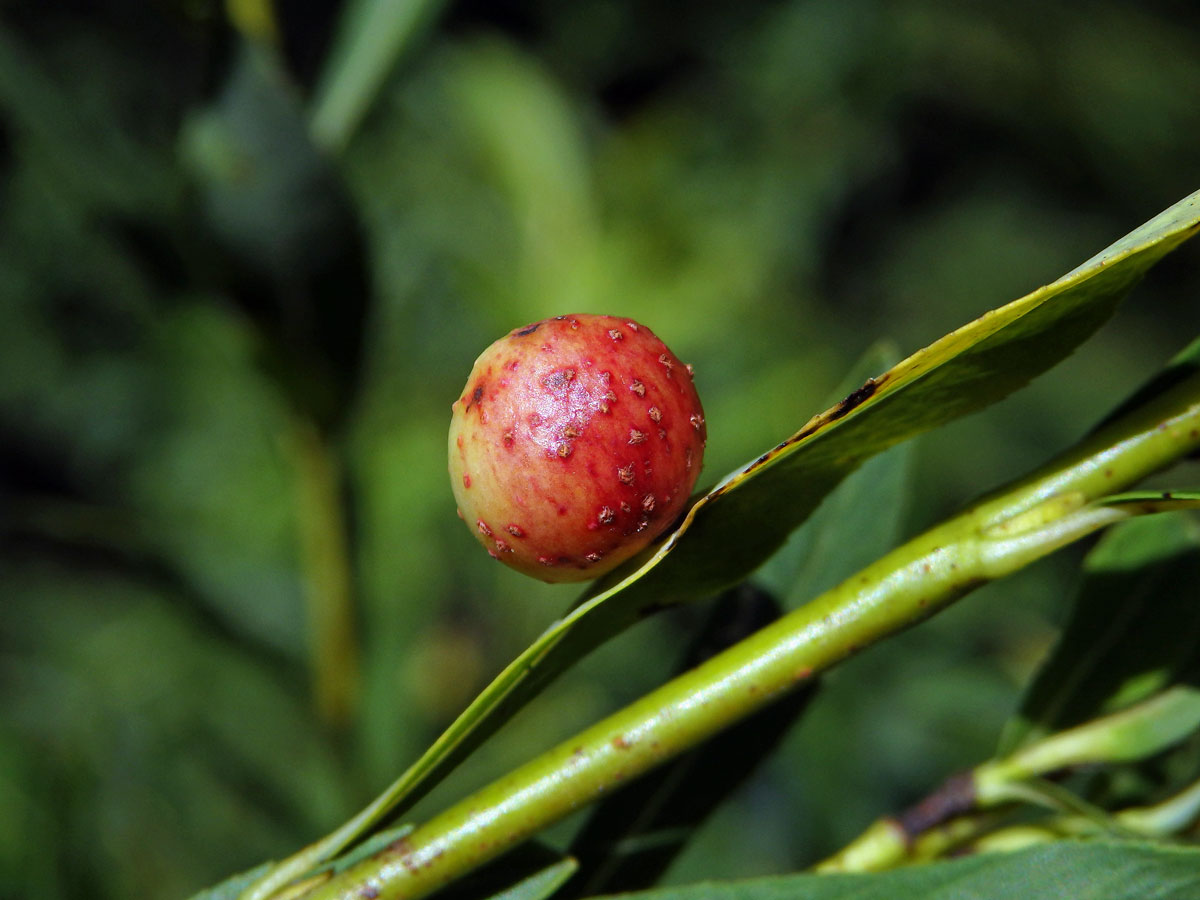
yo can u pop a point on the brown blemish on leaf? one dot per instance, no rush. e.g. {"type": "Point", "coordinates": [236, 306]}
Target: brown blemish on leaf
{"type": "Point", "coordinates": [854, 399]}
{"type": "Point", "coordinates": [955, 797]}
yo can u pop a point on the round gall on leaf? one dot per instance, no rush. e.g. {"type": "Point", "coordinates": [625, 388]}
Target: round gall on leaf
{"type": "Point", "coordinates": [575, 443]}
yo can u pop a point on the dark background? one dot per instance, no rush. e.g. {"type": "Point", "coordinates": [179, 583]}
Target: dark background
{"type": "Point", "coordinates": [234, 313]}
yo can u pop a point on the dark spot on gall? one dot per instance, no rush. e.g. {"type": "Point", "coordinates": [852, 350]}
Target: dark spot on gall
{"type": "Point", "coordinates": [556, 381]}
{"type": "Point", "coordinates": [529, 329]}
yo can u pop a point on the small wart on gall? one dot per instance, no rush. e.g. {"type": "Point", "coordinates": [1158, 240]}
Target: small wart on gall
{"type": "Point", "coordinates": [540, 445]}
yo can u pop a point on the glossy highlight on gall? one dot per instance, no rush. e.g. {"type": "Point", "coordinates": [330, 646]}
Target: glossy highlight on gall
{"type": "Point", "coordinates": [575, 442]}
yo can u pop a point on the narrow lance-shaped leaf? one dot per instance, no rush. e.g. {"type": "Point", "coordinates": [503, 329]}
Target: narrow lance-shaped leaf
{"type": "Point", "coordinates": [857, 523]}
{"type": "Point", "coordinates": [1081, 871]}
{"type": "Point", "coordinates": [373, 37]}
{"type": "Point", "coordinates": [1135, 624]}
{"type": "Point", "coordinates": [996, 536]}
{"type": "Point", "coordinates": [540, 885]}
{"type": "Point", "coordinates": [957, 811]}
{"type": "Point", "coordinates": [736, 526]}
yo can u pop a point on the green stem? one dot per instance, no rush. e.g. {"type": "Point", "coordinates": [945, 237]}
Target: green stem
{"type": "Point", "coordinates": [1131, 734]}
{"type": "Point", "coordinates": [1134, 733]}
{"type": "Point", "coordinates": [994, 537]}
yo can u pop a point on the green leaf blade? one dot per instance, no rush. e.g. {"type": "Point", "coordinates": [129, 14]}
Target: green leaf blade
{"type": "Point", "coordinates": [735, 527]}
{"type": "Point", "coordinates": [1081, 871]}
{"type": "Point", "coordinates": [1134, 628]}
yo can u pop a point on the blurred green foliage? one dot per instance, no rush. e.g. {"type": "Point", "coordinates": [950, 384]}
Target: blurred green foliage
{"type": "Point", "coordinates": [235, 598]}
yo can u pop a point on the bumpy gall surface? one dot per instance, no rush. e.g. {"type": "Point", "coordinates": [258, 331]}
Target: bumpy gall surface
{"type": "Point", "coordinates": [576, 441]}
